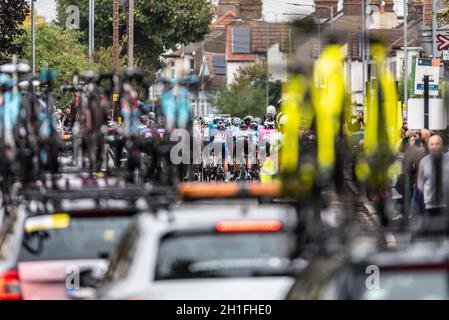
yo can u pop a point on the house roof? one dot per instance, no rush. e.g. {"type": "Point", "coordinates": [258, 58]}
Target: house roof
{"type": "Point", "coordinates": [351, 26]}
{"type": "Point", "coordinates": [224, 20]}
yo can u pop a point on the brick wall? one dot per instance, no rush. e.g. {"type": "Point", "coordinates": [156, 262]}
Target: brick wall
{"type": "Point", "coordinates": [325, 12]}
{"type": "Point", "coordinates": [250, 9]}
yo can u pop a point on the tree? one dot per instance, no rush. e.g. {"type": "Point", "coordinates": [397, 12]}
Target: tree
{"type": "Point", "coordinates": [58, 49]}
{"type": "Point", "coordinates": [443, 13]}
{"type": "Point", "coordinates": [12, 16]}
{"type": "Point", "coordinates": [159, 26]}
{"type": "Point", "coordinates": [247, 94]}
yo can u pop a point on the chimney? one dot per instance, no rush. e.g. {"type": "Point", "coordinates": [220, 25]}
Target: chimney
{"type": "Point", "coordinates": [250, 9]}
{"type": "Point", "coordinates": [324, 12]}
{"type": "Point", "coordinates": [227, 5]}
{"type": "Point", "coordinates": [352, 7]}
{"type": "Point", "coordinates": [415, 9]}
{"type": "Point", "coordinates": [389, 5]}
{"type": "Point", "coordinates": [427, 12]}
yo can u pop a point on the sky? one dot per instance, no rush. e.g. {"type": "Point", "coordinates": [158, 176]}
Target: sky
{"type": "Point", "coordinates": [46, 9]}
{"type": "Point", "coordinates": [273, 9]}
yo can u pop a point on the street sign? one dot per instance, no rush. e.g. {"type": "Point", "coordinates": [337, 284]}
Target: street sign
{"type": "Point", "coordinates": [445, 55]}
{"type": "Point", "coordinates": [441, 37]}
{"type": "Point", "coordinates": [427, 67]}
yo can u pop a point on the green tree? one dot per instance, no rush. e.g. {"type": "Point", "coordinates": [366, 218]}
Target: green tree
{"type": "Point", "coordinates": [247, 94]}
{"type": "Point", "coordinates": [12, 16]}
{"type": "Point", "coordinates": [159, 25]}
{"type": "Point", "coordinates": [58, 49]}
{"type": "Point", "coordinates": [443, 13]}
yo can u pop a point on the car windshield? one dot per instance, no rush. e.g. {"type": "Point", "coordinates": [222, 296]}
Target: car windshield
{"type": "Point", "coordinates": [80, 238]}
{"type": "Point", "coordinates": [408, 285]}
{"type": "Point", "coordinates": [224, 255]}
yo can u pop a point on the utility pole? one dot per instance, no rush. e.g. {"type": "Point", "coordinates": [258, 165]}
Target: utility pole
{"type": "Point", "coordinates": [202, 99]}
{"type": "Point", "coordinates": [368, 43]}
{"type": "Point", "coordinates": [130, 34]}
{"type": "Point", "coordinates": [267, 85]}
{"type": "Point", "coordinates": [362, 51]}
{"type": "Point", "coordinates": [91, 29]}
{"type": "Point", "coordinates": [33, 38]}
{"type": "Point", "coordinates": [405, 53]}
{"type": "Point", "coordinates": [434, 28]}
{"type": "Point", "coordinates": [115, 36]}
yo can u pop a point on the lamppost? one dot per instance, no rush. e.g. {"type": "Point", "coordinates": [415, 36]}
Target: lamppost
{"type": "Point", "coordinates": [330, 8]}
{"type": "Point", "coordinates": [33, 38]}
{"type": "Point", "coordinates": [405, 52]}
{"type": "Point", "coordinates": [91, 28]}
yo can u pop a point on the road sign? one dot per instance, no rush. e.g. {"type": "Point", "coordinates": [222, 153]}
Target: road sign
{"type": "Point", "coordinates": [441, 37]}
{"type": "Point", "coordinates": [427, 67]}
{"type": "Point", "coordinates": [445, 55]}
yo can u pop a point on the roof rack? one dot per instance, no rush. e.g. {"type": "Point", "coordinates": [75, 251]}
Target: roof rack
{"type": "Point", "coordinates": [197, 191]}
{"type": "Point", "coordinates": [130, 192]}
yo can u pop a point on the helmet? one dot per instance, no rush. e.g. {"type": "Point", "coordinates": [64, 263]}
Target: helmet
{"type": "Point", "coordinates": [243, 126]}
{"type": "Point", "coordinates": [247, 120]}
{"type": "Point", "coordinates": [221, 127]}
{"type": "Point", "coordinates": [271, 110]}
{"type": "Point", "coordinates": [254, 126]}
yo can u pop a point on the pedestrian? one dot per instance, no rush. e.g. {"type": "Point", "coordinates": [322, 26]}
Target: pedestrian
{"type": "Point", "coordinates": [432, 170]}
{"type": "Point", "coordinates": [406, 182]}
{"type": "Point", "coordinates": [424, 135]}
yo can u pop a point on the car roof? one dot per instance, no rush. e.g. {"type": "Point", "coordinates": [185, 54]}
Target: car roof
{"type": "Point", "coordinates": [417, 254]}
{"type": "Point", "coordinates": [206, 215]}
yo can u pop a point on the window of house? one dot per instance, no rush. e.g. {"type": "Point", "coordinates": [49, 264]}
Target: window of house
{"type": "Point", "coordinates": [241, 40]}
{"type": "Point", "coordinates": [219, 65]}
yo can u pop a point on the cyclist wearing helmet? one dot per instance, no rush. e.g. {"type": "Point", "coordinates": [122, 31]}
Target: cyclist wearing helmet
{"type": "Point", "coordinates": [253, 139]}
{"type": "Point", "coordinates": [213, 129]}
{"type": "Point", "coordinates": [220, 146]}
{"type": "Point", "coordinates": [247, 120]}
{"type": "Point", "coordinates": [242, 148]}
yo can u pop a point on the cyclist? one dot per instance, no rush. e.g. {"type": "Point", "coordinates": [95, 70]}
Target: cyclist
{"type": "Point", "coordinates": [247, 120]}
{"type": "Point", "coordinates": [220, 140]}
{"type": "Point", "coordinates": [213, 129]}
{"type": "Point", "coordinates": [242, 146]}
{"type": "Point", "coordinates": [253, 139]}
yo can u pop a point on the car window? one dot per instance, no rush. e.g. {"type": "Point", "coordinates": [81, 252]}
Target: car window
{"type": "Point", "coordinates": [79, 238]}
{"type": "Point", "coordinates": [223, 255]}
{"type": "Point", "coordinates": [406, 285]}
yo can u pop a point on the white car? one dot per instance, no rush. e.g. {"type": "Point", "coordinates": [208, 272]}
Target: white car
{"type": "Point", "coordinates": [205, 251]}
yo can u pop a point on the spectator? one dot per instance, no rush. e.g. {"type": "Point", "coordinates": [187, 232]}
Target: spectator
{"type": "Point", "coordinates": [432, 168]}
{"type": "Point", "coordinates": [425, 136]}
{"type": "Point", "coordinates": [406, 140]}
